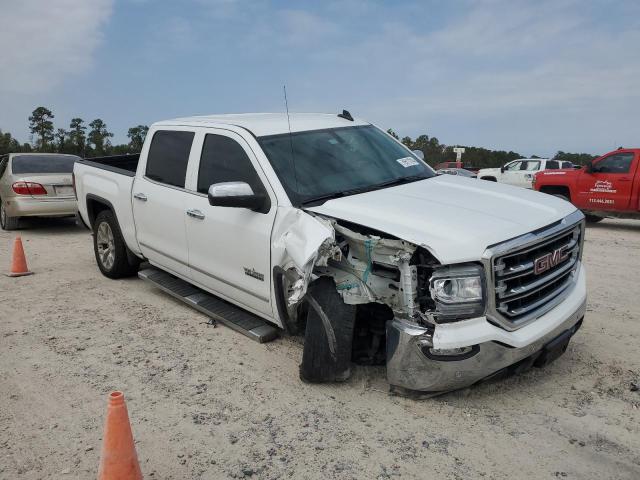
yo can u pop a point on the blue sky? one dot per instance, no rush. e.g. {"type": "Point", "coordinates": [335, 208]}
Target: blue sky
{"type": "Point", "coordinates": [534, 77]}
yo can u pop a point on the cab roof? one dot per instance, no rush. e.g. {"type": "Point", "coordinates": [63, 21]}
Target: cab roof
{"type": "Point", "coordinates": [264, 124]}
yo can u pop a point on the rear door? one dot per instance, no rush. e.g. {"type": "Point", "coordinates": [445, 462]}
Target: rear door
{"type": "Point", "coordinates": [159, 197]}
{"type": "Point", "coordinates": [528, 169]}
{"type": "Point", "coordinates": [609, 185]}
{"type": "Point", "coordinates": [230, 248]}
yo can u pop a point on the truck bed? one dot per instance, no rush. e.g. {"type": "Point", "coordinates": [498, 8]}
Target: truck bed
{"type": "Point", "coordinates": [123, 164]}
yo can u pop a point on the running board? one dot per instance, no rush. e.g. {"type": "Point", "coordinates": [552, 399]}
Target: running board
{"type": "Point", "coordinates": [233, 317]}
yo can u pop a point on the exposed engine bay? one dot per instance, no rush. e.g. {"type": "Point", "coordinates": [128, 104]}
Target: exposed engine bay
{"type": "Point", "coordinates": [384, 276]}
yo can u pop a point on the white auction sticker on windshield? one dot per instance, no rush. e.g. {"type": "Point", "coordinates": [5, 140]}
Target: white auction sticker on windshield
{"type": "Point", "coordinates": [407, 162]}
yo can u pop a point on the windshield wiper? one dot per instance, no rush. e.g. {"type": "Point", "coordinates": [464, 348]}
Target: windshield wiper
{"type": "Point", "coordinates": [320, 199]}
{"type": "Point", "coordinates": [396, 181]}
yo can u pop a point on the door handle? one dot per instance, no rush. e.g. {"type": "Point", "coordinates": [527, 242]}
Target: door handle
{"type": "Point", "coordinates": [625, 179]}
{"type": "Point", "coordinates": [140, 196]}
{"type": "Point", "coordinates": [196, 214]}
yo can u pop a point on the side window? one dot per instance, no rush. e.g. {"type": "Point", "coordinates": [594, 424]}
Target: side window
{"type": "Point", "coordinates": [616, 163]}
{"type": "Point", "coordinates": [168, 157]}
{"type": "Point", "coordinates": [567, 165]}
{"type": "Point", "coordinates": [530, 166]}
{"type": "Point", "coordinates": [224, 160]}
{"type": "Point", "coordinates": [513, 166]}
{"type": "Point", "coordinates": [552, 165]}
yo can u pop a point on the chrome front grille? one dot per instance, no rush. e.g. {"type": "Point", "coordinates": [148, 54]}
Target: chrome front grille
{"type": "Point", "coordinates": [529, 274]}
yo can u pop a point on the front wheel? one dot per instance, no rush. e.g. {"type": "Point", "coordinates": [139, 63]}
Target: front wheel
{"type": "Point", "coordinates": [7, 222]}
{"type": "Point", "coordinates": [328, 336]}
{"type": "Point", "coordinates": [110, 249]}
{"type": "Point", "coordinates": [593, 218]}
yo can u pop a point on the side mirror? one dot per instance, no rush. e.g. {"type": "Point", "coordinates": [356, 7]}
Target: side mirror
{"type": "Point", "coordinates": [588, 167]}
{"type": "Point", "coordinates": [502, 169]}
{"type": "Point", "coordinates": [237, 195]}
{"type": "Point", "coordinates": [418, 153]}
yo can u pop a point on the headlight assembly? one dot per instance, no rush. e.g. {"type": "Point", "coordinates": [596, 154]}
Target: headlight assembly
{"type": "Point", "coordinates": [458, 292]}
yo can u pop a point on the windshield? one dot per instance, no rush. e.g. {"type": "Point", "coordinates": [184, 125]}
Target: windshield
{"type": "Point", "coordinates": [340, 161]}
{"type": "Point", "coordinates": [43, 163]}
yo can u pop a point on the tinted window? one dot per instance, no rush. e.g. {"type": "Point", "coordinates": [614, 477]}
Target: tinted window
{"type": "Point", "coordinates": [321, 163]}
{"type": "Point", "coordinates": [224, 160]}
{"type": "Point", "coordinates": [567, 165]}
{"type": "Point", "coordinates": [552, 165]}
{"type": "Point", "coordinates": [618, 163]}
{"type": "Point", "coordinates": [168, 157]}
{"type": "Point", "coordinates": [21, 164]}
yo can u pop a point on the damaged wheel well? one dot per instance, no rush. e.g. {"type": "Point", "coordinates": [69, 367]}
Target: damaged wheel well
{"type": "Point", "coordinates": [364, 277]}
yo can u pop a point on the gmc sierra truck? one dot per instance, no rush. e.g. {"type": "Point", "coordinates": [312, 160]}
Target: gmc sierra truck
{"type": "Point", "coordinates": [325, 226]}
{"type": "Point", "coordinates": [609, 186]}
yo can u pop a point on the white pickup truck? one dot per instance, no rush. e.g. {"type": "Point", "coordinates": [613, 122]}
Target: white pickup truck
{"type": "Point", "coordinates": [325, 226]}
{"type": "Point", "coordinates": [520, 172]}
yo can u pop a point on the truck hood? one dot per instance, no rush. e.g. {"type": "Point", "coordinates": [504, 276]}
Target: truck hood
{"type": "Point", "coordinates": [455, 218]}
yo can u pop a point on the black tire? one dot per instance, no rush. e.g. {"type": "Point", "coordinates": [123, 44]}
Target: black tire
{"type": "Point", "coordinates": [7, 222]}
{"type": "Point", "coordinates": [489, 179]}
{"type": "Point", "coordinates": [593, 218]}
{"type": "Point", "coordinates": [122, 265]}
{"type": "Point", "coordinates": [328, 336]}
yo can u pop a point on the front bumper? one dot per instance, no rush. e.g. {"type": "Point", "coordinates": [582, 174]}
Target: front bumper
{"type": "Point", "coordinates": [495, 349]}
{"type": "Point", "coordinates": [46, 207]}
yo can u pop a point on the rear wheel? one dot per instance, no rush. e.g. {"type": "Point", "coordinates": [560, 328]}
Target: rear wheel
{"type": "Point", "coordinates": [7, 222]}
{"type": "Point", "coordinates": [593, 218]}
{"type": "Point", "coordinates": [110, 249]}
{"type": "Point", "coordinates": [489, 179]}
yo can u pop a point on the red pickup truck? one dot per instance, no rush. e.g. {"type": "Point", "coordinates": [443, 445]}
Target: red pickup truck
{"type": "Point", "coordinates": [609, 186]}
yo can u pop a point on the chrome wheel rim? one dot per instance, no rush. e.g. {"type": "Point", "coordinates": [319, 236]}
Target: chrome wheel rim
{"type": "Point", "coordinates": [105, 245]}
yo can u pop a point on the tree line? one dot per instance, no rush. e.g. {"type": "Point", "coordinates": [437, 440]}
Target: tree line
{"type": "Point", "coordinates": [84, 140]}
{"type": "Point", "coordinates": [94, 140]}
{"type": "Point", "coordinates": [436, 152]}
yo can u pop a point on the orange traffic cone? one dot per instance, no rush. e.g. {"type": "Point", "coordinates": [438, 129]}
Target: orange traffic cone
{"type": "Point", "coordinates": [118, 460]}
{"type": "Point", "coordinates": [19, 262]}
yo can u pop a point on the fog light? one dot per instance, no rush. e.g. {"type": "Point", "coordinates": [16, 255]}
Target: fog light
{"type": "Point", "coordinates": [450, 354]}
{"type": "Point", "coordinates": [450, 351]}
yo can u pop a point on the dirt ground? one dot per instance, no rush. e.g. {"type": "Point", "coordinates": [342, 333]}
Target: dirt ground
{"type": "Point", "coordinates": [207, 402]}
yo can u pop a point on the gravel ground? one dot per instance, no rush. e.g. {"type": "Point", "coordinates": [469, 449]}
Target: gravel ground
{"type": "Point", "coordinates": [207, 402]}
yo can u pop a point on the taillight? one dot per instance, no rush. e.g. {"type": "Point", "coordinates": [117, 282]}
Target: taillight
{"type": "Point", "coordinates": [28, 188]}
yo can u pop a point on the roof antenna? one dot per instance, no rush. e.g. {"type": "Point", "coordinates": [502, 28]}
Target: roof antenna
{"type": "Point", "coordinates": [346, 115]}
{"type": "Point", "coordinates": [293, 156]}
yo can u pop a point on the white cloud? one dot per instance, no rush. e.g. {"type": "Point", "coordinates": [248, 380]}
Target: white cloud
{"type": "Point", "coordinates": [45, 41]}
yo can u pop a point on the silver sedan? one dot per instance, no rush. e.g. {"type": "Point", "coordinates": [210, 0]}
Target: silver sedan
{"type": "Point", "coordinates": [36, 184]}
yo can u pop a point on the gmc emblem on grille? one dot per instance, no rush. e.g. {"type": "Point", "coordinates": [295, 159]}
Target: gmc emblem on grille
{"type": "Point", "coordinates": [550, 260]}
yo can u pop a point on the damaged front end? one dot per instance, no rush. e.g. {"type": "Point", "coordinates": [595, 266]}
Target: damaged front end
{"type": "Point", "coordinates": [392, 282]}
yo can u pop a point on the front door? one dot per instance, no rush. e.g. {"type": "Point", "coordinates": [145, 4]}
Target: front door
{"type": "Point", "coordinates": [609, 185]}
{"type": "Point", "coordinates": [230, 248]}
{"type": "Point", "coordinates": [159, 201]}
{"type": "Point", "coordinates": [511, 174]}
